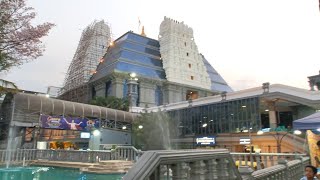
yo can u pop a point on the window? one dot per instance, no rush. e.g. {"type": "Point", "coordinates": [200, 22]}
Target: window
{"type": "Point", "coordinates": [189, 65]}
{"type": "Point", "coordinates": [191, 77]}
{"type": "Point", "coordinates": [187, 54]}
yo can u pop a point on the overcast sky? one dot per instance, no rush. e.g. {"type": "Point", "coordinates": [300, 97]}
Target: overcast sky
{"type": "Point", "coordinates": [248, 42]}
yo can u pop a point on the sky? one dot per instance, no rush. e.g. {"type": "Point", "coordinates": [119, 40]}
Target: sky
{"type": "Point", "coordinates": [248, 42]}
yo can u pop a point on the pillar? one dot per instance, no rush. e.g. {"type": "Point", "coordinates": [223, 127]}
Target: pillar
{"type": "Point", "coordinates": [272, 115]}
{"type": "Point", "coordinates": [198, 170]}
{"type": "Point", "coordinates": [180, 171]}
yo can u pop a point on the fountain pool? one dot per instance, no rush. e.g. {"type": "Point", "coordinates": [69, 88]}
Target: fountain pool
{"type": "Point", "coordinates": [51, 173]}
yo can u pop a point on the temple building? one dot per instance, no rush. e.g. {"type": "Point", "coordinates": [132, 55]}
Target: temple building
{"type": "Point", "coordinates": [166, 71]}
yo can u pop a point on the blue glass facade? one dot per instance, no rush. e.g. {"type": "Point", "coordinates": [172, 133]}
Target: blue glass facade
{"type": "Point", "coordinates": [132, 53]}
{"type": "Point", "coordinates": [217, 82]}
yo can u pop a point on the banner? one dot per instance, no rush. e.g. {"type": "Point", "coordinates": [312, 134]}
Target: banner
{"type": "Point", "coordinates": [69, 123]}
{"type": "Point", "coordinates": [314, 149]}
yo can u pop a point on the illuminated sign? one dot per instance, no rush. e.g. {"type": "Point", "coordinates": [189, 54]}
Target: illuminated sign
{"type": "Point", "coordinates": [207, 141]}
{"type": "Point", "coordinates": [244, 140]}
{"type": "Point", "coordinates": [84, 135]}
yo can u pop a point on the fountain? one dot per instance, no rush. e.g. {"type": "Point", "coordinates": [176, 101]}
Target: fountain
{"type": "Point", "coordinates": [10, 146]}
{"type": "Point", "coordinates": [154, 131]}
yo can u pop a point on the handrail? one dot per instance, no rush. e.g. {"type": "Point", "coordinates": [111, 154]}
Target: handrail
{"type": "Point", "coordinates": [184, 163]}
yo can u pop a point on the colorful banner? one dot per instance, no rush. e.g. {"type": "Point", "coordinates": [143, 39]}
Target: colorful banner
{"type": "Point", "coordinates": [69, 123]}
{"type": "Point", "coordinates": [314, 149]}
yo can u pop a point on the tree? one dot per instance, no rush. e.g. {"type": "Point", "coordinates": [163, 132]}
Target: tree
{"type": "Point", "coordinates": [19, 40]}
{"type": "Point", "coordinates": [111, 102]}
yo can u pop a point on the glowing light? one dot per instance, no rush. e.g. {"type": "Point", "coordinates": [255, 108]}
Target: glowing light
{"type": "Point", "coordinates": [96, 132]}
{"type": "Point", "coordinates": [266, 110]}
{"type": "Point", "coordinates": [243, 106]}
{"type": "Point", "coordinates": [140, 126]}
{"type": "Point", "coordinates": [297, 132]}
{"type": "Point", "coordinates": [133, 75]}
{"type": "Point", "coordinates": [111, 43]}
{"type": "Point", "coordinates": [47, 95]}
{"type": "Point", "coordinates": [205, 125]}
{"type": "Point", "coordinates": [260, 132]}
{"type": "Point", "coordinates": [124, 127]}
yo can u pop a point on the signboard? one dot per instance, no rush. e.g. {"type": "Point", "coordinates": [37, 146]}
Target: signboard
{"type": "Point", "coordinates": [69, 123]}
{"type": "Point", "coordinates": [85, 135]}
{"type": "Point", "coordinates": [206, 141]}
{"type": "Point", "coordinates": [244, 140]}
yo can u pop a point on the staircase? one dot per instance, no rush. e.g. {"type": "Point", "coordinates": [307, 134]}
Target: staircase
{"type": "Point", "coordinates": [109, 167]}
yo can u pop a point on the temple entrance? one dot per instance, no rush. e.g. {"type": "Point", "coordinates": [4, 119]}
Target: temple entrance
{"type": "Point", "coordinates": [191, 95]}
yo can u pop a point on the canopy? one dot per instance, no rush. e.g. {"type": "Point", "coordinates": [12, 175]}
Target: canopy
{"type": "Point", "coordinates": [308, 123]}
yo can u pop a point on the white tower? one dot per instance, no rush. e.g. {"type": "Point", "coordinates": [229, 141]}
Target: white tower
{"type": "Point", "coordinates": [181, 59]}
{"type": "Point", "coordinates": [93, 44]}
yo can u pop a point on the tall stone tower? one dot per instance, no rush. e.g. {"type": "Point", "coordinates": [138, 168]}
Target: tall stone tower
{"type": "Point", "coordinates": [181, 60]}
{"type": "Point", "coordinates": [92, 46]}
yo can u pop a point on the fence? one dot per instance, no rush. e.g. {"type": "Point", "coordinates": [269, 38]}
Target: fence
{"type": "Point", "coordinates": [292, 170]}
{"type": "Point", "coordinates": [259, 161]}
{"type": "Point", "coordinates": [120, 153]}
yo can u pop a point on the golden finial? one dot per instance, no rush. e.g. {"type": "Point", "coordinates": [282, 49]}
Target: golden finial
{"type": "Point", "coordinates": [142, 32]}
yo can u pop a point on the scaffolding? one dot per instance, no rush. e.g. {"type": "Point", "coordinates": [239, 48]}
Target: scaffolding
{"type": "Point", "coordinates": [93, 44]}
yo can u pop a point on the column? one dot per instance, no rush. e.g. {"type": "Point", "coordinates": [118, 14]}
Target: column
{"type": "Point", "coordinates": [180, 171]}
{"type": "Point", "coordinates": [117, 87]}
{"type": "Point", "coordinates": [212, 173]}
{"type": "Point", "coordinates": [198, 170]}
{"type": "Point", "coordinates": [272, 115]}
{"type": "Point", "coordinates": [132, 92]}
{"type": "Point", "coordinates": [100, 90]}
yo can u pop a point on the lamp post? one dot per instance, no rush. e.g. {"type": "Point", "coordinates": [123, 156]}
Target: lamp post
{"type": "Point", "coordinates": [132, 90]}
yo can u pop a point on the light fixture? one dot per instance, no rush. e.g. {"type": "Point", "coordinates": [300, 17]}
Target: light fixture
{"type": "Point", "coordinates": [133, 75]}
{"type": "Point", "coordinates": [204, 125]}
{"type": "Point", "coordinates": [266, 110]}
{"type": "Point", "coordinates": [96, 132]}
{"type": "Point", "coordinates": [297, 132]}
{"type": "Point", "coordinates": [260, 132]}
{"type": "Point", "coordinates": [124, 127]}
{"type": "Point", "coordinates": [47, 95]}
{"type": "Point", "coordinates": [243, 106]}
{"type": "Point", "coordinates": [140, 126]}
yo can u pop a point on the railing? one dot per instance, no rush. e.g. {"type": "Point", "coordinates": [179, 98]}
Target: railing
{"type": "Point", "coordinates": [18, 155]}
{"type": "Point", "coordinates": [21, 155]}
{"type": "Point", "coordinates": [262, 160]}
{"type": "Point", "coordinates": [292, 170]}
{"type": "Point", "coordinates": [184, 164]}
{"type": "Point", "coordinates": [128, 153]}
{"type": "Point", "coordinates": [73, 155]}
{"type": "Point", "coordinates": [120, 153]}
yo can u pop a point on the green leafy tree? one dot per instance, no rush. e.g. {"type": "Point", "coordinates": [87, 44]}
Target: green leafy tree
{"type": "Point", "coordinates": [154, 131]}
{"type": "Point", "coordinates": [111, 102]}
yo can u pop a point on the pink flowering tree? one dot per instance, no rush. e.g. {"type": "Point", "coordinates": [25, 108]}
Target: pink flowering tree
{"type": "Point", "coordinates": [19, 39]}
